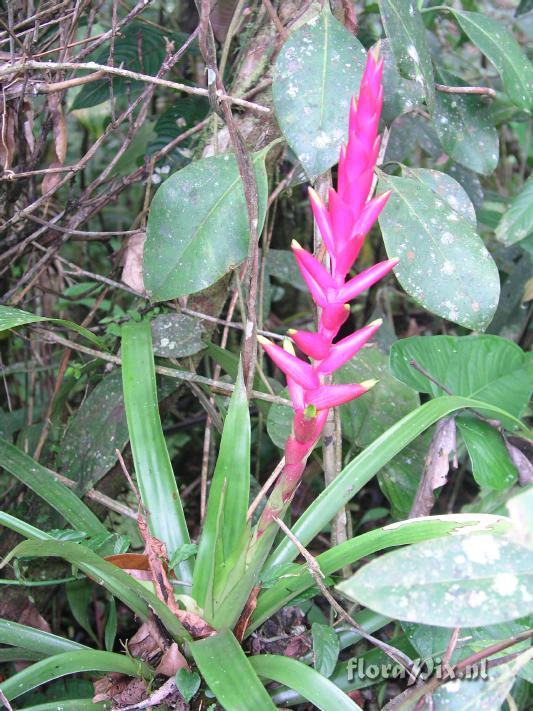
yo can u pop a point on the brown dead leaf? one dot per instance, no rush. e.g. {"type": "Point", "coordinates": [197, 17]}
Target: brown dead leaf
{"type": "Point", "coordinates": [8, 122]}
{"type": "Point", "coordinates": [119, 688]}
{"type": "Point", "coordinates": [132, 272]}
{"type": "Point", "coordinates": [51, 180]}
{"type": "Point", "coordinates": [27, 125]}
{"type": "Point", "coordinates": [171, 661]}
{"type": "Point", "coordinates": [59, 126]}
{"type": "Point", "coordinates": [147, 641]}
{"type": "Point", "coordinates": [437, 466]}
{"type": "Point", "coordinates": [242, 623]}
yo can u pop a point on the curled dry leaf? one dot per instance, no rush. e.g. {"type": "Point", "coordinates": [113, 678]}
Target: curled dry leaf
{"type": "Point", "coordinates": [119, 688]}
{"type": "Point", "coordinates": [443, 445]}
{"type": "Point", "coordinates": [8, 122]}
{"type": "Point", "coordinates": [51, 180]}
{"type": "Point", "coordinates": [27, 125]}
{"type": "Point", "coordinates": [59, 126]}
{"type": "Point", "coordinates": [521, 453]}
{"type": "Point", "coordinates": [171, 661]}
{"type": "Point", "coordinates": [132, 273]}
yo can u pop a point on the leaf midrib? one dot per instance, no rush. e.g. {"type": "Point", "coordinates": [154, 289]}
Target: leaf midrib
{"type": "Point", "coordinates": [201, 225]}
{"type": "Point", "coordinates": [493, 43]}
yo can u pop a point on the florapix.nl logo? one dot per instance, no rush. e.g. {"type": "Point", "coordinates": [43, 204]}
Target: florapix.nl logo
{"type": "Point", "coordinates": [420, 670]}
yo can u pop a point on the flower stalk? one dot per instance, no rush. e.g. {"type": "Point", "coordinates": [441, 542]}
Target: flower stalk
{"type": "Point", "coordinates": [343, 223]}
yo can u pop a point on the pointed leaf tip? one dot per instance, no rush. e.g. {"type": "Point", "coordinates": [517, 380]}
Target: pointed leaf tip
{"type": "Point", "coordinates": [369, 384]}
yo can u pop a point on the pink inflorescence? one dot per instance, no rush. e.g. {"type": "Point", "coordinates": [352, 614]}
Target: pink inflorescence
{"type": "Point", "coordinates": [343, 225]}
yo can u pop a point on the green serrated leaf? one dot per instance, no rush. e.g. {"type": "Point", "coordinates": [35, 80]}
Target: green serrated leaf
{"type": "Point", "coordinates": [198, 226]}
{"type": "Point", "coordinates": [139, 47]}
{"type": "Point", "coordinates": [444, 265]}
{"type": "Point", "coordinates": [316, 73]}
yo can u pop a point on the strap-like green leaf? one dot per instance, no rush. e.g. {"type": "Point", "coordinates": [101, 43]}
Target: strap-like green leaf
{"type": "Point", "coordinates": [229, 673]}
{"type": "Point", "coordinates": [396, 534]}
{"type": "Point", "coordinates": [44, 484]}
{"type": "Point", "coordinates": [35, 639]}
{"type": "Point", "coordinates": [132, 593]}
{"type": "Point", "coordinates": [11, 318]}
{"type": "Point", "coordinates": [71, 663]}
{"type": "Point", "coordinates": [314, 687]}
{"type": "Point", "coordinates": [361, 469]}
{"type": "Point", "coordinates": [225, 521]}
{"type": "Point", "coordinates": [157, 484]}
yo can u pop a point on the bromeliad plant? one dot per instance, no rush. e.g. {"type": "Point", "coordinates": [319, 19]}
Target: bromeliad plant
{"type": "Point", "coordinates": [217, 593]}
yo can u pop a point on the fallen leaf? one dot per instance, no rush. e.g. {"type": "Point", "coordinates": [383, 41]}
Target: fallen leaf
{"type": "Point", "coordinates": [132, 272]}
{"type": "Point", "coordinates": [171, 661]}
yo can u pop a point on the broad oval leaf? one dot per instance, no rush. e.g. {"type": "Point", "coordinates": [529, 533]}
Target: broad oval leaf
{"type": "Point", "coordinates": [517, 222]}
{"type": "Point", "coordinates": [481, 694]}
{"type": "Point", "coordinates": [317, 72]}
{"type": "Point", "coordinates": [499, 45]}
{"type": "Point", "coordinates": [465, 129]}
{"type": "Point", "coordinates": [491, 464]}
{"type": "Point", "coordinates": [388, 401]}
{"type": "Point", "coordinates": [407, 36]}
{"type": "Point", "coordinates": [458, 581]}
{"type": "Point", "coordinates": [444, 264]}
{"type": "Point", "coordinates": [198, 226]}
{"type": "Point", "coordinates": [98, 429]}
{"type": "Point", "coordinates": [177, 335]}
{"type": "Point", "coordinates": [326, 648]}
{"type": "Point", "coordinates": [445, 187]}
{"type": "Point", "coordinates": [399, 95]}
{"type": "Point", "coordinates": [488, 368]}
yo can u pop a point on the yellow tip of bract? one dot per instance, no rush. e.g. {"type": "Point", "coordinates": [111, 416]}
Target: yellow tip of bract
{"type": "Point", "coordinates": [376, 50]}
{"type": "Point", "coordinates": [347, 307]}
{"type": "Point", "coordinates": [287, 346]}
{"type": "Point", "coordinates": [291, 331]}
{"type": "Point", "coordinates": [296, 245]}
{"type": "Point", "coordinates": [368, 384]}
{"type": "Point", "coordinates": [262, 340]}
{"type": "Point", "coordinates": [377, 322]}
